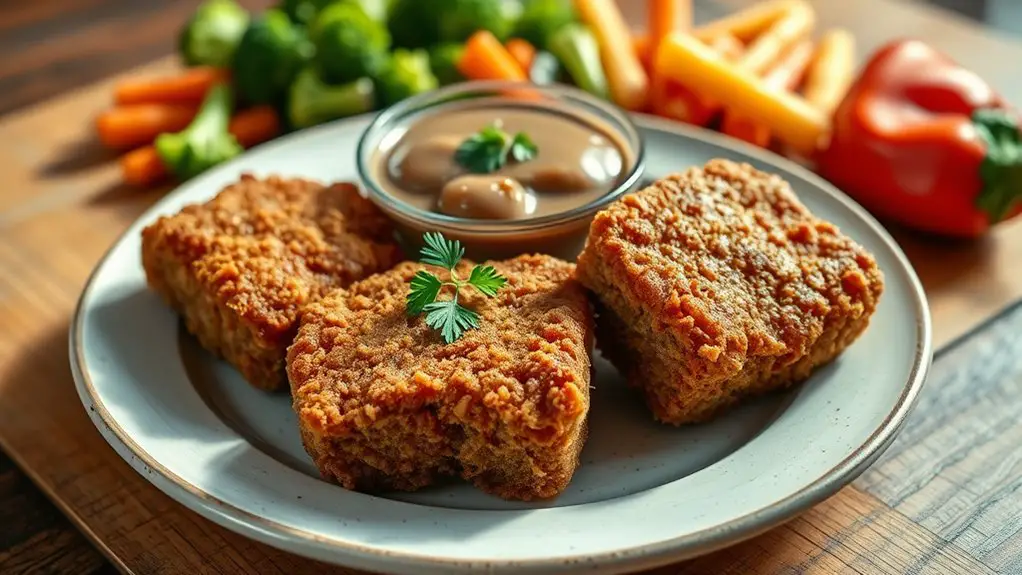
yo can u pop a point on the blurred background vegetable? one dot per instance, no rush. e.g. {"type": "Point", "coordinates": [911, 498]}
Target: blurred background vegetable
{"type": "Point", "coordinates": [406, 74]}
{"type": "Point", "coordinates": [211, 35]}
{"type": "Point", "coordinates": [270, 53]}
{"type": "Point", "coordinates": [485, 58]}
{"type": "Point", "coordinates": [312, 101]}
{"type": "Point", "coordinates": [206, 142]}
{"type": "Point", "coordinates": [424, 23]}
{"type": "Point", "coordinates": [576, 48]}
{"type": "Point", "coordinates": [314, 61]}
{"type": "Point", "coordinates": [443, 61]}
{"type": "Point", "coordinates": [541, 19]}
{"type": "Point", "coordinates": [349, 44]}
{"type": "Point", "coordinates": [188, 87]}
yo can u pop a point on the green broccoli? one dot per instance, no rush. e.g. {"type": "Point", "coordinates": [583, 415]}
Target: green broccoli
{"type": "Point", "coordinates": [304, 12]}
{"type": "Point", "coordinates": [206, 142]}
{"type": "Point", "coordinates": [349, 44]}
{"type": "Point", "coordinates": [576, 48]}
{"type": "Point", "coordinates": [407, 73]}
{"type": "Point", "coordinates": [541, 19]}
{"type": "Point", "coordinates": [271, 52]}
{"type": "Point", "coordinates": [212, 33]}
{"type": "Point", "coordinates": [424, 23]}
{"type": "Point", "coordinates": [443, 61]}
{"type": "Point", "coordinates": [313, 102]}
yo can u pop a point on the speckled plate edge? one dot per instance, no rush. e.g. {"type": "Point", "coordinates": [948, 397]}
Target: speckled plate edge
{"type": "Point", "coordinates": [639, 557]}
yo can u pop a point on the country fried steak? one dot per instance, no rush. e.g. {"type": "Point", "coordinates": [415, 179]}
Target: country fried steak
{"type": "Point", "coordinates": [239, 266]}
{"type": "Point", "coordinates": [384, 403]}
{"type": "Point", "coordinates": [716, 284]}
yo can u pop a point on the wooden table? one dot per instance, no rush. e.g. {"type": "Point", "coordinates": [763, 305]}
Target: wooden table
{"type": "Point", "coordinates": [60, 208]}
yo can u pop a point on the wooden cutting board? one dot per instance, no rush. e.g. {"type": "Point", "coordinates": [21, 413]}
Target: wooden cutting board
{"type": "Point", "coordinates": [61, 207]}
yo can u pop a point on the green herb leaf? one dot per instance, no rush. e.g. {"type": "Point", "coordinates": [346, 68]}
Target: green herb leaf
{"type": "Point", "coordinates": [451, 319]}
{"type": "Point", "coordinates": [448, 316]}
{"type": "Point", "coordinates": [486, 279]}
{"type": "Point", "coordinates": [439, 251]}
{"type": "Point", "coordinates": [522, 148]}
{"type": "Point", "coordinates": [425, 289]}
{"type": "Point", "coordinates": [487, 151]}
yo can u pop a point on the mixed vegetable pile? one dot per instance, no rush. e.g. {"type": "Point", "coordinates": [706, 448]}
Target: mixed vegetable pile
{"type": "Point", "coordinates": [757, 75]}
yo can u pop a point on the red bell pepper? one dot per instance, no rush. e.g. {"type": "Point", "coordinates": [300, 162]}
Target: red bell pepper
{"type": "Point", "coordinates": [923, 142]}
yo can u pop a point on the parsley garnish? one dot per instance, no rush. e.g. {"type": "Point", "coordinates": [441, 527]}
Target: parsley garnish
{"type": "Point", "coordinates": [487, 151]}
{"type": "Point", "coordinates": [448, 316]}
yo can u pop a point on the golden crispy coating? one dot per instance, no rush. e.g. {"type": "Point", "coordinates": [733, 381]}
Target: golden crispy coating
{"type": "Point", "coordinates": [717, 283]}
{"type": "Point", "coordinates": [383, 403]}
{"type": "Point", "coordinates": [239, 266]}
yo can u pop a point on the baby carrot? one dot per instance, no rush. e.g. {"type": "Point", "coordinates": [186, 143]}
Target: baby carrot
{"type": "Point", "coordinates": [685, 59]}
{"type": "Point", "coordinates": [641, 47]}
{"type": "Point", "coordinates": [763, 52]}
{"type": "Point", "coordinates": [143, 166]}
{"type": "Point", "coordinates": [187, 87]}
{"type": "Point", "coordinates": [746, 24]}
{"type": "Point", "coordinates": [139, 124]}
{"type": "Point", "coordinates": [832, 71]}
{"type": "Point", "coordinates": [786, 75]}
{"type": "Point", "coordinates": [485, 58]}
{"type": "Point", "coordinates": [522, 52]}
{"type": "Point", "coordinates": [666, 16]}
{"type": "Point", "coordinates": [254, 125]}
{"type": "Point", "coordinates": [629, 85]}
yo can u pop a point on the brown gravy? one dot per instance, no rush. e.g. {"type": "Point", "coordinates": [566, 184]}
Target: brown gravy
{"type": "Point", "coordinates": [576, 163]}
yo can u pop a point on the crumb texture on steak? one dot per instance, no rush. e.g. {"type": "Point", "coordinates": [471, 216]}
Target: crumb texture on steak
{"type": "Point", "coordinates": [717, 283]}
{"type": "Point", "coordinates": [239, 266]}
{"type": "Point", "coordinates": [383, 403]}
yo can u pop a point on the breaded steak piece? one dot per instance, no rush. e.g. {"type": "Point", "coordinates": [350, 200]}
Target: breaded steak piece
{"type": "Point", "coordinates": [239, 266]}
{"type": "Point", "coordinates": [383, 403]}
{"type": "Point", "coordinates": [717, 283]}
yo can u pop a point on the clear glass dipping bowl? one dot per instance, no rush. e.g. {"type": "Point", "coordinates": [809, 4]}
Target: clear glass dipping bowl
{"type": "Point", "coordinates": [562, 234]}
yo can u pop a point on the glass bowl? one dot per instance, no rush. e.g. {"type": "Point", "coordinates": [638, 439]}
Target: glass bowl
{"type": "Point", "coordinates": [560, 234]}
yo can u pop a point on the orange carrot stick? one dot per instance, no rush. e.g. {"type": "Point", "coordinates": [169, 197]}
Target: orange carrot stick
{"type": "Point", "coordinates": [485, 58]}
{"type": "Point", "coordinates": [187, 87]}
{"type": "Point", "coordinates": [143, 166]}
{"type": "Point", "coordinates": [666, 16]}
{"type": "Point", "coordinates": [627, 80]}
{"type": "Point", "coordinates": [674, 100]}
{"type": "Point", "coordinates": [641, 47]}
{"type": "Point", "coordinates": [139, 124]}
{"type": "Point", "coordinates": [786, 75]}
{"type": "Point", "coordinates": [522, 52]}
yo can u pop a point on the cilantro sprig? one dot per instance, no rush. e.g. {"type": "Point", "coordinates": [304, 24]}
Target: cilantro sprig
{"type": "Point", "coordinates": [448, 316]}
{"type": "Point", "coordinates": [488, 150]}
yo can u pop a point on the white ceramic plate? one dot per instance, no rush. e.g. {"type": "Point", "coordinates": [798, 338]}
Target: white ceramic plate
{"type": "Point", "coordinates": [645, 495]}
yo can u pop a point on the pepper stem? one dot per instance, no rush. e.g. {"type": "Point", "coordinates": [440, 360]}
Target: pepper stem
{"type": "Point", "coordinates": [1001, 169]}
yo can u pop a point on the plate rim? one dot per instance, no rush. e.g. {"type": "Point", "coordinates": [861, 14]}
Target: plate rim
{"type": "Point", "coordinates": [333, 550]}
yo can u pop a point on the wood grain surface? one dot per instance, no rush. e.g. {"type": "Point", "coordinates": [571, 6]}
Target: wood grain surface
{"type": "Point", "coordinates": [943, 499]}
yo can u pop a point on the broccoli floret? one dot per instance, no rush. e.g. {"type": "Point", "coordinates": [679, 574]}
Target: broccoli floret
{"type": "Point", "coordinates": [206, 142]}
{"type": "Point", "coordinates": [313, 102]}
{"type": "Point", "coordinates": [271, 52]}
{"type": "Point", "coordinates": [304, 12]}
{"type": "Point", "coordinates": [443, 61]}
{"type": "Point", "coordinates": [541, 19]}
{"type": "Point", "coordinates": [212, 33]}
{"type": "Point", "coordinates": [349, 44]}
{"type": "Point", "coordinates": [407, 73]}
{"type": "Point", "coordinates": [423, 23]}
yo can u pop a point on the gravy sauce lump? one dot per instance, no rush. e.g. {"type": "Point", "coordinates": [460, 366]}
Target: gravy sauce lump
{"type": "Point", "coordinates": [575, 163]}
